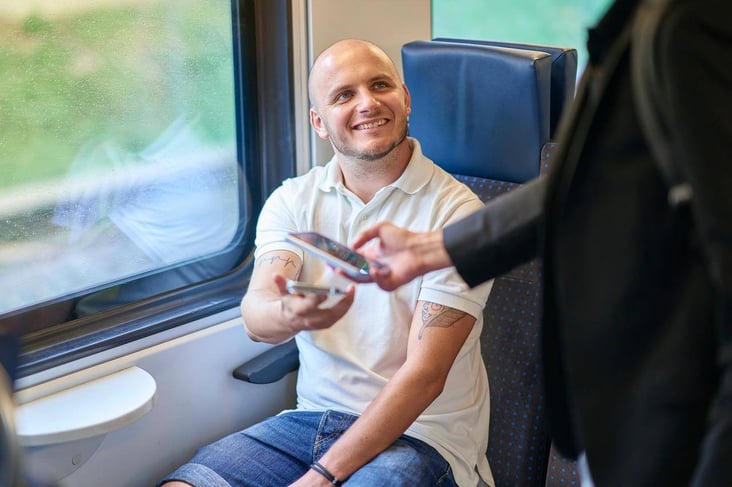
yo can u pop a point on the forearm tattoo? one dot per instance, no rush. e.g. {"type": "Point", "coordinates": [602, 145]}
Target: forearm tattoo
{"type": "Point", "coordinates": [271, 260]}
{"type": "Point", "coordinates": [439, 315]}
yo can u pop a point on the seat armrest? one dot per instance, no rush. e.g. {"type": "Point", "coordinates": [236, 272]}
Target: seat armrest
{"type": "Point", "coordinates": [271, 365]}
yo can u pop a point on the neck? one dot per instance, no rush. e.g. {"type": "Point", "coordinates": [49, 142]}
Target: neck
{"type": "Point", "coordinates": [364, 178]}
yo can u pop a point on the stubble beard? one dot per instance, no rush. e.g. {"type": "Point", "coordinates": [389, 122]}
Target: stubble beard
{"type": "Point", "coordinates": [368, 155]}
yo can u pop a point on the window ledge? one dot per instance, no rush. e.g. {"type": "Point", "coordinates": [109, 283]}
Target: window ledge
{"type": "Point", "coordinates": [87, 410]}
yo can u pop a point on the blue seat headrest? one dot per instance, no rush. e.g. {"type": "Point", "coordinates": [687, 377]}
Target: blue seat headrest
{"type": "Point", "coordinates": [563, 78]}
{"type": "Point", "coordinates": [479, 110]}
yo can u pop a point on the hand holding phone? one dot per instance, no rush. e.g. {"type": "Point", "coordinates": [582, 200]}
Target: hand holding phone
{"type": "Point", "coordinates": [334, 253]}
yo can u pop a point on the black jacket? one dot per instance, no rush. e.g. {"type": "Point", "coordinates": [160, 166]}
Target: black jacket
{"type": "Point", "coordinates": [637, 322]}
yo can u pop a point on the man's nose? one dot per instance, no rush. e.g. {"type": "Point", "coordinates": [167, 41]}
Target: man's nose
{"type": "Point", "coordinates": [367, 101]}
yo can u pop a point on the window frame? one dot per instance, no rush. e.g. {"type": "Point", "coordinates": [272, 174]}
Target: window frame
{"type": "Point", "coordinates": [262, 40]}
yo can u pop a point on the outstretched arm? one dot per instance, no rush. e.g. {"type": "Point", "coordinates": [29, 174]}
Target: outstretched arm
{"type": "Point", "coordinates": [273, 315]}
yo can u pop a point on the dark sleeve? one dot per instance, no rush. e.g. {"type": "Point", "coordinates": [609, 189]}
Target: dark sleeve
{"type": "Point", "coordinates": [695, 62]}
{"type": "Point", "coordinates": [499, 237]}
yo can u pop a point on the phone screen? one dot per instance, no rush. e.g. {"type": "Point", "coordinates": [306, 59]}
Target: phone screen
{"type": "Point", "coordinates": [336, 249]}
{"type": "Point", "coordinates": [335, 253]}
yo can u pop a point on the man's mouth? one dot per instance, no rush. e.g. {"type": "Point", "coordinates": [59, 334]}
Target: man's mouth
{"type": "Point", "coordinates": [370, 125]}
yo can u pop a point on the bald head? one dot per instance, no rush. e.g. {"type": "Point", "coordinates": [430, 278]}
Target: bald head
{"type": "Point", "coordinates": [359, 103]}
{"type": "Point", "coordinates": [341, 55]}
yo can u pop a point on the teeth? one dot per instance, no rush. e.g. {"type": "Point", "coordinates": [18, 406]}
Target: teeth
{"type": "Point", "coordinates": [371, 125]}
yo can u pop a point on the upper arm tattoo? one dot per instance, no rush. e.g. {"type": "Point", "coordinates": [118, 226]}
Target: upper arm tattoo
{"type": "Point", "coordinates": [273, 259]}
{"type": "Point", "coordinates": [438, 315]}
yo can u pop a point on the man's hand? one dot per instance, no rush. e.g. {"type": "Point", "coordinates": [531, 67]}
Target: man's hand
{"type": "Point", "coordinates": [401, 254]}
{"type": "Point", "coordinates": [304, 312]}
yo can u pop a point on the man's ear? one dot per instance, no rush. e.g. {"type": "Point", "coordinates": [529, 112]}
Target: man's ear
{"type": "Point", "coordinates": [318, 124]}
{"type": "Point", "coordinates": [407, 99]}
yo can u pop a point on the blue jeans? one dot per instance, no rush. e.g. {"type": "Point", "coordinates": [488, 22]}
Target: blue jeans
{"type": "Point", "coordinates": [280, 449]}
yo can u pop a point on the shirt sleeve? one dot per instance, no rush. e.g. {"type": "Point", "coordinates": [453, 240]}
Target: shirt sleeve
{"type": "Point", "coordinates": [446, 287]}
{"type": "Point", "coordinates": [276, 220]}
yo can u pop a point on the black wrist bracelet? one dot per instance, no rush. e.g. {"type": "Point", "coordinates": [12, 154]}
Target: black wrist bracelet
{"type": "Point", "coordinates": [325, 473]}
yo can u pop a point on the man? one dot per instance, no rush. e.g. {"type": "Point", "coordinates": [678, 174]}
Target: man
{"type": "Point", "coordinates": [391, 388]}
{"type": "Point", "coordinates": [635, 229]}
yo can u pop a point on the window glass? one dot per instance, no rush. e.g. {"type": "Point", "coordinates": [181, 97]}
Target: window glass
{"type": "Point", "coordinates": [552, 22]}
{"type": "Point", "coordinates": [118, 149]}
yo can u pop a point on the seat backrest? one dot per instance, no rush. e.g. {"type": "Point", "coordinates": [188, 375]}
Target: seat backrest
{"type": "Point", "coordinates": [468, 117]}
{"type": "Point", "coordinates": [563, 73]}
{"type": "Point", "coordinates": [482, 112]}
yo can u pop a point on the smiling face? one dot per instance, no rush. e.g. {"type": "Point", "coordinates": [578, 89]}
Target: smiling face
{"type": "Point", "coordinates": [358, 100]}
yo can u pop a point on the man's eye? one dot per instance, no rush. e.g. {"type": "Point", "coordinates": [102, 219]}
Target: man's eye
{"type": "Point", "coordinates": [380, 84]}
{"type": "Point", "coordinates": [343, 96]}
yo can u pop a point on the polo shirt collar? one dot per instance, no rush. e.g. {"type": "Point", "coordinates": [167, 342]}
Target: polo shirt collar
{"type": "Point", "coordinates": [417, 173]}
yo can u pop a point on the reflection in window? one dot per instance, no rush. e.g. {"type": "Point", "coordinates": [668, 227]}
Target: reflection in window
{"type": "Point", "coordinates": [118, 149]}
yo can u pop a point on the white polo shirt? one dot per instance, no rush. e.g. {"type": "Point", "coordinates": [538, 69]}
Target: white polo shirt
{"type": "Point", "coordinates": [344, 368]}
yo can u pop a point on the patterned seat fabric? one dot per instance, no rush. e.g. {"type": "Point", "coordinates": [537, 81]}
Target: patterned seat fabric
{"type": "Point", "coordinates": [561, 471]}
{"type": "Point", "coordinates": [519, 451]}
{"type": "Point", "coordinates": [518, 442]}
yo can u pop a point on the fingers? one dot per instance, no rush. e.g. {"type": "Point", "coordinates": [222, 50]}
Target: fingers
{"type": "Point", "coordinates": [381, 275]}
{"type": "Point", "coordinates": [373, 255]}
{"type": "Point", "coordinates": [307, 311]}
{"type": "Point", "coordinates": [297, 303]}
{"type": "Point", "coordinates": [385, 279]}
{"type": "Point", "coordinates": [344, 304]}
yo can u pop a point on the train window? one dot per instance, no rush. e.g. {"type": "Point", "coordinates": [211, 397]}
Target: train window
{"type": "Point", "coordinates": [552, 22]}
{"type": "Point", "coordinates": [128, 149]}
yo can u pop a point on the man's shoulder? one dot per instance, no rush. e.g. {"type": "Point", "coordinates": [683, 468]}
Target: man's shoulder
{"type": "Point", "coordinates": [315, 176]}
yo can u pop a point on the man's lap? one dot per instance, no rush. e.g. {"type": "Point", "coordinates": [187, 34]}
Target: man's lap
{"type": "Point", "coordinates": [280, 449]}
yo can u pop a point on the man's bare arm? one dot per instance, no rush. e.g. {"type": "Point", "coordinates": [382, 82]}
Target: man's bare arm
{"type": "Point", "coordinates": [273, 315]}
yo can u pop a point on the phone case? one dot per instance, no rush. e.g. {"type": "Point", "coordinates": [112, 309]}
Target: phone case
{"type": "Point", "coordinates": [334, 253]}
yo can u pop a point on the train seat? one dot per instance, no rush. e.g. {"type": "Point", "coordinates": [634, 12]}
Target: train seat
{"type": "Point", "coordinates": [561, 471]}
{"type": "Point", "coordinates": [485, 112]}
{"type": "Point", "coordinates": [563, 73]}
{"type": "Point", "coordinates": [479, 110]}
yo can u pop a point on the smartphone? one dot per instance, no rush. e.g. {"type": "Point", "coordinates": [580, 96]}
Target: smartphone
{"type": "Point", "coordinates": [297, 287]}
{"type": "Point", "coordinates": [334, 253]}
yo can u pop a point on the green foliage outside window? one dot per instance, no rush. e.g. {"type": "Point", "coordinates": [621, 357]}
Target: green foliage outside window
{"type": "Point", "coordinates": [553, 22]}
{"type": "Point", "coordinates": [120, 71]}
